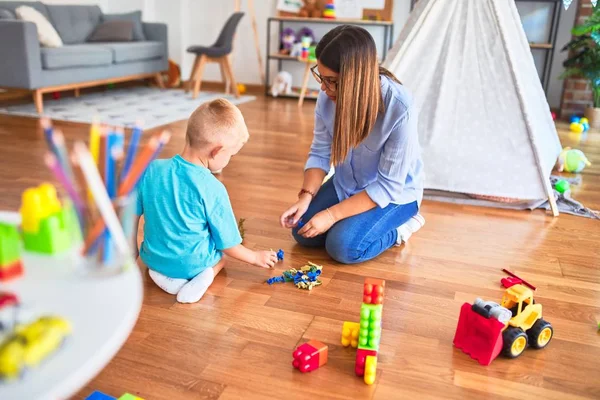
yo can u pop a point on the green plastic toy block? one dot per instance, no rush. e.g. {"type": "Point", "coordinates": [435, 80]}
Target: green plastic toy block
{"type": "Point", "coordinates": [10, 244]}
{"type": "Point", "coordinates": [57, 232]}
{"type": "Point", "coordinates": [128, 396]}
{"type": "Point", "coordinates": [370, 326]}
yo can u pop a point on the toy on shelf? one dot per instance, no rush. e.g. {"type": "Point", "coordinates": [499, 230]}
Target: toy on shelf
{"type": "Point", "coordinates": [311, 9]}
{"type": "Point", "coordinates": [48, 226]}
{"type": "Point", "coordinates": [562, 186]}
{"type": "Point", "coordinates": [486, 329]}
{"type": "Point", "coordinates": [288, 38]}
{"type": "Point", "coordinates": [310, 356]}
{"type": "Point", "coordinates": [30, 344]}
{"type": "Point", "coordinates": [305, 278]}
{"type": "Point", "coordinates": [280, 255]}
{"type": "Point", "coordinates": [571, 160]}
{"type": "Point", "coordinates": [579, 125]}
{"type": "Point", "coordinates": [305, 32]}
{"type": "Point", "coordinates": [350, 334]}
{"type": "Point", "coordinates": [282, 84]}
{"type": "Point", "coordinates": [306, 43]}
{"type": "Point", "coordinates": [10, 252]}
{"type": "Point", "coordinates": [329, 11]}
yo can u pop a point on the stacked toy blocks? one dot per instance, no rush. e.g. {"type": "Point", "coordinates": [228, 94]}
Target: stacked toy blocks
{"type": "Point", "coordinates": [310, 356]}
{"type": "Point", "coordinates": [366, 334]}
{"type": "Point", "coordinates": [48, 226]}
{"type": "Point", "coordinates": [102, 396]}
{"type": "Point", "coordinates": [10, 253]}
{"type": "Point", "coordinates": [329, 11]}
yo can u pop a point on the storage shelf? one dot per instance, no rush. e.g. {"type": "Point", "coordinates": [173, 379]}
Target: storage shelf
{"type": "Point", "coordinates": [333, 21]}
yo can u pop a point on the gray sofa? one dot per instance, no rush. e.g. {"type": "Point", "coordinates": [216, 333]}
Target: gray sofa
{"type": "Point", "coordinates": [27, 65]}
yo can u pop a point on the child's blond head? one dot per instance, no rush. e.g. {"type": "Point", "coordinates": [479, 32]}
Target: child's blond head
{"type": "Point", "coordinates": [216, 123]}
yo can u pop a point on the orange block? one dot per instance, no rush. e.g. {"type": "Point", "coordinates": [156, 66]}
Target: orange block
{"type": "Point", "coordinates": [373, 291]}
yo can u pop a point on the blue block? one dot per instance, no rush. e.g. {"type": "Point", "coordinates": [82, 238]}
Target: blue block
{"type": "Point", "coordinates": [99, 396]}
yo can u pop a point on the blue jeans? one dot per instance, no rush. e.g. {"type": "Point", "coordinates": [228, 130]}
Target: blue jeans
{"type": "Point", "coordinates": [358, 238]}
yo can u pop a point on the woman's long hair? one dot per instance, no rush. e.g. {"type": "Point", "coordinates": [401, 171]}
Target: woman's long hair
{"type": "Point", "coordinates": [350, 51]}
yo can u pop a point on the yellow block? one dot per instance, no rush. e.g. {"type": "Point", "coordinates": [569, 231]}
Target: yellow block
{"type": "Point", "coordinates": [37, 204]}
{"type": "Point", "coordinates": [370, 369]}
{"type": "Point", "coordinates": [350, 334]}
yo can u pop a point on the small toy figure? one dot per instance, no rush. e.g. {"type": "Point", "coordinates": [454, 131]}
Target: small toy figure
{"type": "Point", "coordinates": [572, 161]}
{"type": "Point", "coordinates": [280, 255]}
{"type": "Point", "coordinates": [306, 42]}
{"type": "Point", "coordinates": [288, 38]}
{"type": "Point", "coordinates": [305, 32]}
{"type": "Point", "coordinates": [310, 356]}
{"type": "Point", "coordinates": [282, 84]}
{"type": "Point", "coordinates": [306, 278]}
{"type": "Point", "coordinates": [310, 9]}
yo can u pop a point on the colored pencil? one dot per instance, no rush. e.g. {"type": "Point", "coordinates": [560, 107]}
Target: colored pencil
{"type": "Point", "coordinates": [101, 198]}
{"type": "Point", "coordinates": [102, 154]}
{"type": "Point", "coordinates": [48, 130]}
{"type": "Point", "coordinates": [136, 134]}
{"type": "Point", "coordinates": [54, 166]}
{"type": "Point", "coordinates": [90, 211]}
{"type": "Point", "coordinates": [61, 154]}
{"type": "Point", "coordinates": [95, 139]}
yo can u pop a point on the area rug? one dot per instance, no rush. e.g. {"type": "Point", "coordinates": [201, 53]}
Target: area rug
{"type": "Point", "coordinates": [122, 107]}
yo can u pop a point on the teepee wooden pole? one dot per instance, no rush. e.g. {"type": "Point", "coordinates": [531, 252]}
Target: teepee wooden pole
{"type": "Point", "coordinates": [237, 6]}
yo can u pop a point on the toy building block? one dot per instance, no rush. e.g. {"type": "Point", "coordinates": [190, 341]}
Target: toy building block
{"type": "Point", "coordinates": [8, 299]}
{"type": "Point", "coordinates": [350, 334]}
{"type": "Point", "coordinates": [310, 356]}
{"type": "Point", "coordinates": [373, 291]}
{"type": "Point", "coordinates": [370, 369]}
{"type": "Point", "coordinates": [99, 396]}
{"type": "Point", "coordinates": [510, 281]}
{"type": "Point", "coordinates": [10, 244]}
{"type": "Point", "coordinates": [280, 255]}
{"type": "Point", "coordinates": [129, 396]}
{"type": "Point", "coordinates": [11, 271]}
{"type": "Point", "coordinates": [48, 227]}
{"type": "Point", "coordinates": [370, 326]}
{"type": "Point", "coordinates": [361, 360]}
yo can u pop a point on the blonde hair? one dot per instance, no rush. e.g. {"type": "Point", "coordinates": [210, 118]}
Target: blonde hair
{"type": "Point", "coordinates": [217, 122]}
{"type": "Point", "coordinates": [350, 51]}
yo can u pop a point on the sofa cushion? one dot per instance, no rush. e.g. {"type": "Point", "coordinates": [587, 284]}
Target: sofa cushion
{"type": "Point", "coordinates": [135, 17]}
{"type": "Point", "coordinates": [13, 5]}
{"type": "Point", "coordinates": [113, 31]}
{"type": "Point", "coordinates": [76, 55]}
{"type": "Point", "coordinates": [136, 51]}
{"type": "Point", "coordinates": [47, 35]}
{"type": "Point", "coordinates": [6, 14]}
{"type": "Point", "coordinates": [74, 23]}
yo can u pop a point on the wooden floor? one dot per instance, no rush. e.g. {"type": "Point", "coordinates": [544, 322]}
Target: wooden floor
{"type": "Point", "coordinates": [237, 342]}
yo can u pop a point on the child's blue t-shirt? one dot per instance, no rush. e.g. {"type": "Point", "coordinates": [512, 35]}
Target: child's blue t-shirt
{"type": "Point", "coordinates": [188, 218]}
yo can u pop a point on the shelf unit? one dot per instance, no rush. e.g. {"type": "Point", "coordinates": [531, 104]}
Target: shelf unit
{"type": "Point", "coordinates": [547, 47]}
{"type": "Point", "coordinates": [388, 35]}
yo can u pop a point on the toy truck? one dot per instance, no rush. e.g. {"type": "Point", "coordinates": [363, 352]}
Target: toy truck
{"type": "Point", "coordinates": [486, 329]}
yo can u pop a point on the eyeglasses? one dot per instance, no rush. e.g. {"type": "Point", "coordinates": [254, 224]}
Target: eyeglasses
{"type": "Point", "coordinates": [324, 79]}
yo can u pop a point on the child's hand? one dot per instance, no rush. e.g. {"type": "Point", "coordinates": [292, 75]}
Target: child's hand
{"type": "Point", "coordinates": [265, 259]}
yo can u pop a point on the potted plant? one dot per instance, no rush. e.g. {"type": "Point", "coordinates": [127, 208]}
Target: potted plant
{"type": "Point", "coordinates": [584, 61]}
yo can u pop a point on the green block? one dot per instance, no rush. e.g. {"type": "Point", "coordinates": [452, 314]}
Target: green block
{"type": "Point", "coordinates": [10, 244]}
{"type": "Point", "coordinates": [369, 333]}
{"type": "Point", "coordinates": [128, 396]}
{"type": "Point", "coordinates": [57, 232]}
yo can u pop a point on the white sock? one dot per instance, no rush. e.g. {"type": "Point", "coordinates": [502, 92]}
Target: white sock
{"type": "Point", "coordinates": [193, 291]}
{"type": "Point", "coordinates": [411, 226]}
{"type": "Point", "coordinates": [169, 285]}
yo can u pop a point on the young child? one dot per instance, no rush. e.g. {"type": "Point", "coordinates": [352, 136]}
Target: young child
{"type": "Point", "coordinates": [189, 223]}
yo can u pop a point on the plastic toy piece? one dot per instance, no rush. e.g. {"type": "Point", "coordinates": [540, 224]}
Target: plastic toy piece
{"type": "Point", "coordinates": [99, 396]}
{"type": "Point", "coordinates": [280, 255]}
{"type": "Point", "coordinates": [485, 329]}
{"type": "Point", "coordinates": [350, 334]}
{"type": "Point", "coordinates": [510, 281]}
{"type": "Point", "coordinates": [11, 271]}
{"type": "Point", "coordinates": [306, 278]}
{"type": "Point", "coordinates": [369, 334]}
{"type": "Point", "coordinates": [8, 299]}
{"type": "Point", "coordinates": [361, 360]}
{"type": "Point", "coordinates": [128, 396]}
{"type": "Point", "coordinates": [522, 280]}
{"type": "Point", "coordinates": [10, 244]}
{"type": "Point", "coordinates": [48, 227]}
{"type": "Point", "coordinates": [373, 291]}
{"type": "Point", "coordinates": [370, 369]}
{"type": "Point", "coordinates": [310, 356]}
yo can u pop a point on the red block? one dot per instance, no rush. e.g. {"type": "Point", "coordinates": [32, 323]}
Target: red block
{"type": "Point", "coordinates": [310, 356]}
{"type": "Point", "coordinates": [479, 337]}
{"type": "Point", "coordinates": [7, 299]}
{"type": "Point", "coordinates": [10, 271]}
{"type": "Point", "coordinates": [361, 358]}
{"type": "Point", "coordinates": [510, 281]}
{"type": "Point", "coordinates": [373, 291]}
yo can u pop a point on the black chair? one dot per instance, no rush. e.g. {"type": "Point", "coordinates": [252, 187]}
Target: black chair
{"type": "Point", "coordinates": [218, 53]}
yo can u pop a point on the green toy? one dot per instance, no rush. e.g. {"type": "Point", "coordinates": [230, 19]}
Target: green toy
{"type": "Point", "coordinates": [571, 160]}
{"type": "Point", "coordinates": [562, 186]}
{"type": "Point", "coordinates": [10, 244]}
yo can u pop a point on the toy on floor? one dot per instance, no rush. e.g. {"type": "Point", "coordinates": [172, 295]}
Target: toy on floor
{"type": "Point", "coordinates": [310, 356]}
{"type": "Point", "coordinates": [305, 278]}
{"type": "Point", "coordinates": [571, 160]}
{"type": "Point", "coordinates": [10, 253]}
{"type": "Point", "coordinates": [562, 186]}
{"type": "Point", "coordinates": [30, 344]}
{"type": "Point", "coordinates": [579, 125]}
{"type": "Point", "coordinates": [516, 279]}
{"type": "Point", "coordinates": [282, 84]}
{"type": "Point", "coordinates": [48, 226]}
{"type": "Point", "coordinates": [365, 335]}
{"type": "Point", "coordinates": [241, 88]}
{"type": "Point", "coordinates": [8, 311]}
{"type": "Point", "coordinates": [97, 395]}
{"type": "Point", "coordinates": [486, 329]}
{"type": "Point", "coordinates": [280, 255]}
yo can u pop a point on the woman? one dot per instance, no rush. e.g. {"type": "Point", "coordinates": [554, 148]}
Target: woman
{"type": "Point", "coordinates": [366, 127]}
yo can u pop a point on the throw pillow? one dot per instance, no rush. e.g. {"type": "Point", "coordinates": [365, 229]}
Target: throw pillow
{"type": "Point", "coordinates": [113, 31]}
{"type": "Point", "coordinates": [6, 14]}
{"type": "Point", "coordinates": [135, 17]}
{"type": "Point", "coordinates": [47, 35]}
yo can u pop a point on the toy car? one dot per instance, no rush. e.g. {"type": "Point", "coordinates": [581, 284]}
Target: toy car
{"type": "Point", "coordinates": [30, 344]}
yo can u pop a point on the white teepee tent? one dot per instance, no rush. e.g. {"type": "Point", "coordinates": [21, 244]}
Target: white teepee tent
{"type": "Point", "coordinates": [484, 125]}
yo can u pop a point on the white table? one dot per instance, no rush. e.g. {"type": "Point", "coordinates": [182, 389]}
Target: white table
{"type": "Point", "coordinates": [102, 306]}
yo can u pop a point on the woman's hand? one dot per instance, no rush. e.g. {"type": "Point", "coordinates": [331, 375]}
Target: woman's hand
{"type": "Point", "coordinates": [318, 224]}
{"type": "Point", "coordinates": [265, 259]}
{"type": "Point", "coordinates": [291, 216]}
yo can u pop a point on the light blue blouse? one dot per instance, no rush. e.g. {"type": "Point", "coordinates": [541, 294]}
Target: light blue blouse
{"type": "Point", "coordinates": [387, 164]}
